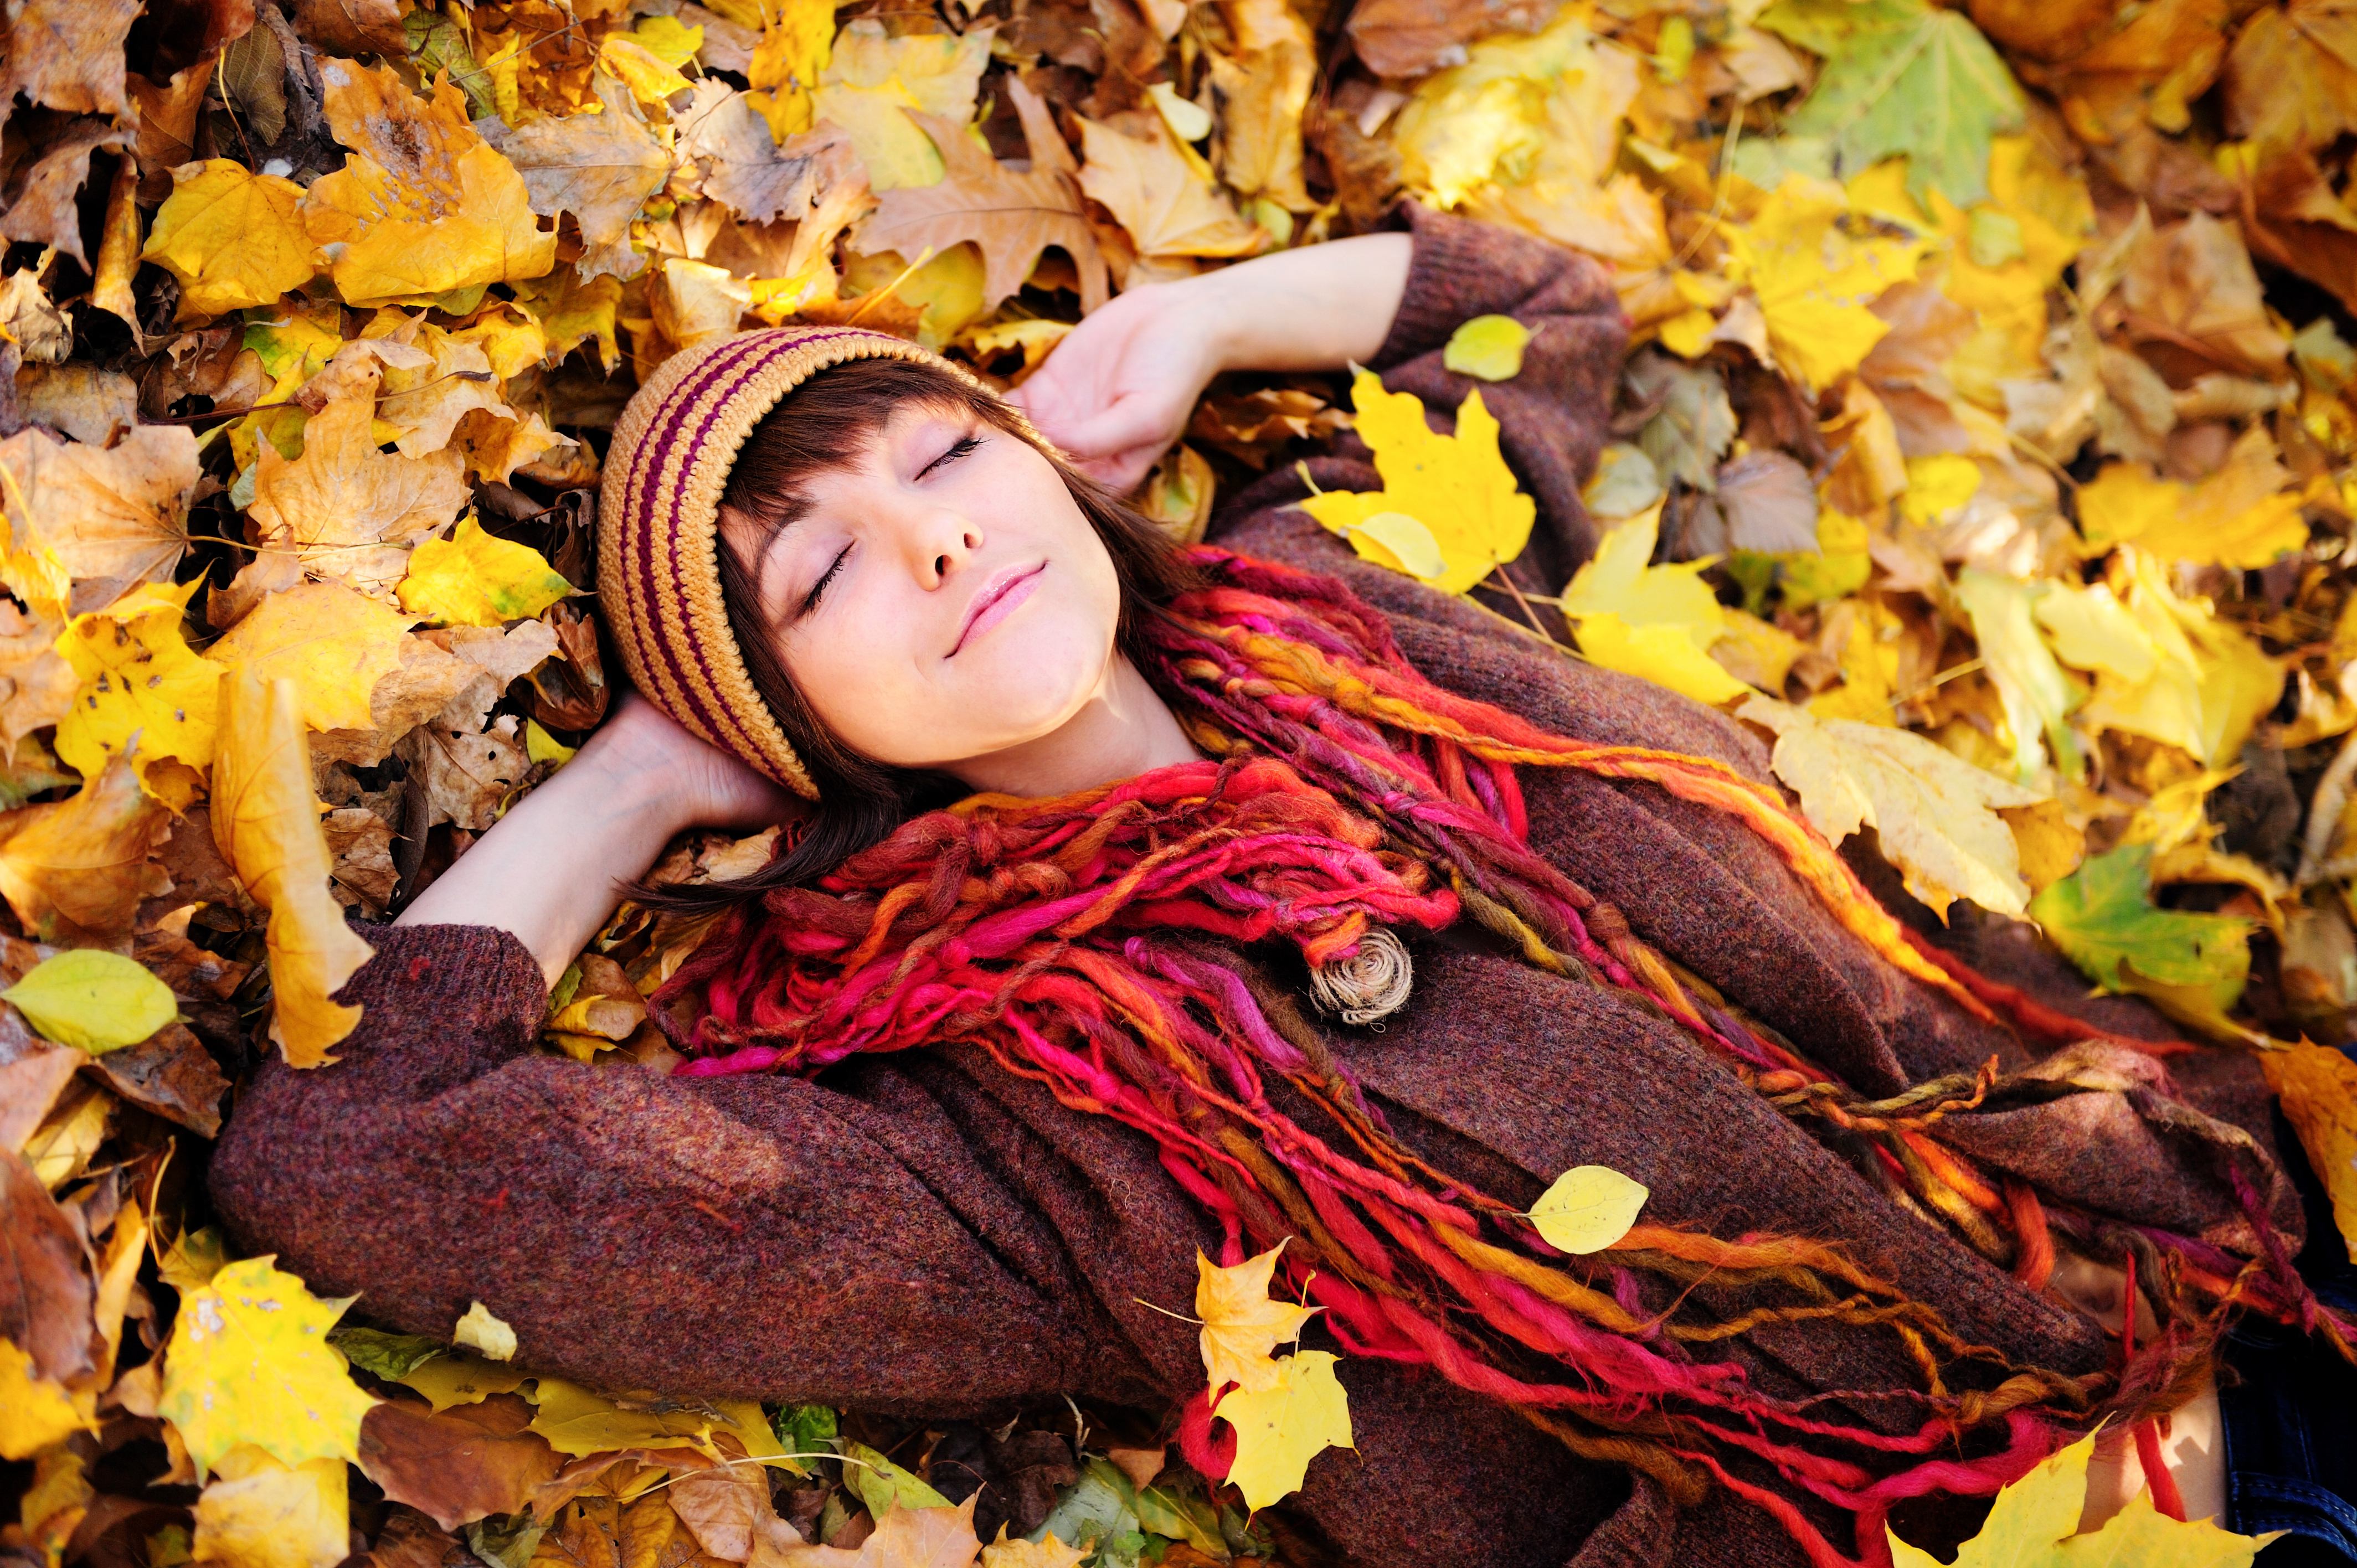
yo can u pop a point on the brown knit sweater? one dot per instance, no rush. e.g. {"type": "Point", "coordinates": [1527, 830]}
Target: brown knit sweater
{"type": "Point", "coordinates": [926, 1234]}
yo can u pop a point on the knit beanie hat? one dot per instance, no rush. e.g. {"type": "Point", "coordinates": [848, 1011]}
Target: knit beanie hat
{"type": "Point", "coordinates": [659, 526]}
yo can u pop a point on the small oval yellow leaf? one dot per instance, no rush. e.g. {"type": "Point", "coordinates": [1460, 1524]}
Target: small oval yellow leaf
{"type": "Point", "coordinates": [478, 1331]}
{"type": "Point", "coordinates": [1488, 347]}
{"type": "Point", "coordinates": [93, 1000]}
{"type": "Point", "coordinates": [1406, 544]}
{"type": "Point", "coordinates": [1588, 1208]}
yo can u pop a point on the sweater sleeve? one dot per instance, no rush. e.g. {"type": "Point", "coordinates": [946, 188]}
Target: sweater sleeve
{"type": "Point", "coordinates": [758, 1235]}
{"type": "Point", "coordinates": [1551, 414]}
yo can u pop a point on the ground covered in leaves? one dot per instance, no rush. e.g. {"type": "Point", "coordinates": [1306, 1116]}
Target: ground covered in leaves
{"type": "Point", "coordinates": [1986, 440]}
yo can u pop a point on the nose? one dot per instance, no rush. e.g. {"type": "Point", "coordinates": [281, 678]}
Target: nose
{"type": "Point", "coordinates": [942, 543]}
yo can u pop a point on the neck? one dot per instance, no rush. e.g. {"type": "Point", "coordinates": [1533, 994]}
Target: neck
{"type": "Point", "coordinates": [1125, 729]}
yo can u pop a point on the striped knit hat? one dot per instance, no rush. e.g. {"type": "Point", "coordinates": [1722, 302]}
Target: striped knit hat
{"type": "Point", "coordinates": [659, 526]}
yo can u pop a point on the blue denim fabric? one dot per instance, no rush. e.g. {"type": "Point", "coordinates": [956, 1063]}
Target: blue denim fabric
{"type": "Point", "coordinates": [2290, 1414]}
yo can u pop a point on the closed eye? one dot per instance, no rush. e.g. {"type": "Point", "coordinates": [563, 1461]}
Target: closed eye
{"type": "Point", "coordinates": [960, 448]}
{"type": "Point", "coordinates": [809, 600]}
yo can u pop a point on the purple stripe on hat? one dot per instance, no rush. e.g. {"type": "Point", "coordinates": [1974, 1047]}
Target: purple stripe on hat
{"type": "Point", "coordinates": [740, 363]}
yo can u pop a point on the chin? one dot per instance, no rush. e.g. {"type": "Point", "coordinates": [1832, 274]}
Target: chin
{"type": "Point", "coordinates": [1031, 686]}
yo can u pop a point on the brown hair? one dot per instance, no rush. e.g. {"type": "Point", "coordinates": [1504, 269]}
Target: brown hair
{"type": "Point", "coordinates": [816, 427]}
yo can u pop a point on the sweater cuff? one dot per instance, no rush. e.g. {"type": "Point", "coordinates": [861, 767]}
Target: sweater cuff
{"type": "Point", "coordinates": [469, 980]}
{"type": "Point", "coordinates": [1454, 262]}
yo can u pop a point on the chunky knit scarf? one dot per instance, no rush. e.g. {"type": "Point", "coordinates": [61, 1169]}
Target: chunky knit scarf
{"type": "Point", "coordinates": [1090, 943]}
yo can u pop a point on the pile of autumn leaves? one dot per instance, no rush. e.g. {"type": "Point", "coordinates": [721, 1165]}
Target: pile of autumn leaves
{"type": "Point", "coordinates": [2033, 501]}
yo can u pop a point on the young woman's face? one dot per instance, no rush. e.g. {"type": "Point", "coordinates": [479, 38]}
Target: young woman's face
{"type": "Point", "coordinates": [943, 597]}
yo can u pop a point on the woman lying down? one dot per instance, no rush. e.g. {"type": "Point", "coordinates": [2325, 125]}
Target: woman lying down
{"type": "Point", "coordinates": [1030, 1009]}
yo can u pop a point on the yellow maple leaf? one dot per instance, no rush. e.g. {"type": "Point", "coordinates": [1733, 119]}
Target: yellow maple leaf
{"type": "Point", "coordinates": [232, 238]}
{"type": "Point", "coordinates": [1654, 622]}
{"type": "Point", "coordinates": [2318, 1086]}
{"type": "Point", "coordinates": [144, 692]}
{"type": "Point", "coordinates": [1488, 119]}
{"type": "Point", "coordinates": [1935, 813]}
{"type": "Point", "coordinates": [1458, 485]}
{"type": "Point", "coordinates": [348, 510]}
{"type": "Point", "coordinates": [1168, 206]}
{"type": "Point", "coordinates": [788, 61]}
{"type": "Point", "coordinates": [571, 310]}
{"type": "Point", "coordinates": [1048, 1553]}
{"type": "Point", "coordinates": [651, 77]}
{"type": "Point", "coordinates": [267, 825]}
{"type": "Point", "coordinates": [1816, 266]}
{"type": "Point", "coordinates": [1242, 1324]}
{"type": "Point", "coordinates": [35, 1412]}
{"type": "Point", "coordinates": [423, 205]}
{"type": "Point", "coordinates": [2241, 516]}
{"type": "Point", "coordinates": [107, 517]}
{"type": "Point", "coordinates": [1281, 1428]}
{"type": "Point", "coordinates": [580, 1420]}
{"type": "Point", "coordinates": [2034, 1523]}
{"type": "Point", "coordinates": [260, 1513]}
{"type": "Point", "coordinates": [1588, 1208]}
{"type": "Point", "coordinates": [871, 77]}
{"type": "Point", "coordinates": [250, 1364]}
{"type": "Point", "coordinates": [333, 643]}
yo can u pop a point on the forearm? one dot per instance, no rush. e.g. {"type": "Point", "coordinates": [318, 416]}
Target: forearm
{"type": "Point", "coordinates": [548, 872]}
{"type": "Point", "coordinates": [1320, 307]}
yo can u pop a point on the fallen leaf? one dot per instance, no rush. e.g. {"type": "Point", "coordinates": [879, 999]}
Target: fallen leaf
{"type": "Point", "coordinates": [905, 1537]}
{"type": "Point", "coordinates": [423, 205]}
{"type": "Point", "coordinates": [1279, 1430]}
{"type": "Point", "coordinates": [360, 844]}
{"type": "Point", "coordinates": [2103, 918]}
{"type": "Point", "coordinates": [348, 510]}
{"type": "Point", "coordinates": [1769, 504]}
{"type": "Point", "coordinates": [1010, 217]}
{"type": "Point", "coordinates": [2317, 1087]}
{"type": "Point", "coordinates": [92, 1000]}
{"type": "Point", "coordinates": [1695, 425]}
{"type": "Point", "coordinates": [1935, 814]}
{"type": "Point", "coordinates": [2038, 696]}
{"type": "Point", "coordinates": [351, 27]}
{"type": "Point", "coordinates": [113, 517]}
{"type": "Point", "coordinates": [171, 1074]}
{"type": "Point", "coordinates": [1902, 78]}
{"type": "Point", "coordinates": [2034, 1523]}
{"type": "Point", "coordinates": [2165, 666]}
{"type": "Point", "coordinates": [2189, 288]}
{"type": "Point", "coordinates": [474, 578]}
{"type": "Point", "coordinates": [68, 54]}
{"type": "Point", "coordinates": [1241, 1323]}
{"type": "Point", "coordinates": [1049, 1552]}
{"type": "Point", "coordinates": [455, 1469]}
{"type": "Point", "coordinates": [1457, 485]}
{"type": "Point", "coordinates": [602, 168]}
{"type": "Point", "coordinates": [250, 1365]}
{"type": "Point", "coordinates": [1655, 622]}
{"type": "Point", "coordinates": [2291, 81]}
{"type": "Point", "coordinates": [145, 694]}
{"type": "Point", "coordinates": [478, 1331]}
{"type": "Point", "coordinates": [1588, 1209]}
{"type": "Point", "coordinates": [266, 820]}
{"type": "Point", "coordinates": [1168, 209]}
{"type": "Point", "coordinates": [234, 239]}
{"type": "Point", "coordinates": [46, 1293]}
{"type": "Point", "coordinates": [83, 865]}
{"type": "Point", "coordinates": [35, 1412]}
{"type": "Point", "coordinates": [870, 78]}
{"type": "Point", "coordinates": [2240, 516]}
{"type": "Point", "coordinates": [1488, 347]}
{"type": "Point", "coordinates": [261, 1513]}
{"type": "Point", "coordinates": [1816, 281]}
{"type": "Point", "coordinates": [333, 643]}
{"type": "Point", "coordinates": [37, 684]}
{"type": "Point", "coordinates": [1262, 92]}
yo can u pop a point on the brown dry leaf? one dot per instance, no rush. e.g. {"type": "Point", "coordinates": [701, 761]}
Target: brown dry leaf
{"type": "Point", "coordinates": [172, 1074]}
{"type": "Point", "coordinates": [351, 27]}
{"type": "Point", "coordinates": [167, 125]}
{"type": "Point", "coordinates": [82, 865]}
{"type": "Point", "coordinates": [37, 685]}
{"type": "Point", "coordinates": [46, 1293]}
{"type": "Point", "coordinates": [68, 54]}
{"type": "Point", "coordinates": [80, 400]}
{"type": "Point", "coordinates": [42, 205]}
{"type": "Point", "coordinates": [466, 775]}
{"type": "Point", "coordinates": [2189, 288]}
{"type": "Point", "coordinates": [424, 400]}
{"type": "Point", "coordinates": [904, 1538]}
{"type": "Point", "coordinates": [744, 168]}
{"type": "Point", "coordinates": [361, 844]}
{"type": "Point", "coordinates": [727, 1511]}
{"type": "Point", "coordinates": [2291, 81]}
{"type": "Point", "coordinates": [602, 168]}
{"type": "Point", "coordinates": [1409, 38]}
{"type": "Point", "coordinates": [465, 1464]}
{"type": "Point", "coordinates": [30, 1083]}
{"type": "Point", "coordinates": [602, 1532]}
{"type": "Point", "coordinates": [1769, 504]}
{"type": "Point", "coordinates": [495, 658]}
{"type": "Point", "coordinates": [165, 946]}
{"type": "Point", "coordinates": [1011, 217]}
{"type": "Point", "coordinates": [265, 821]}
{"type": "Point", "coordinates": [116, 517]}
{"type": "Point", "coordinates": [423, 205]}
{"type": "Point", "coordinates": [1265, 91]}
{"type": "Point", "coordinates": [1905, 367]}
{"type": "Point", "coordinates": [349, 511]}
{"type": "Point", "coordinates": [1167, 208]}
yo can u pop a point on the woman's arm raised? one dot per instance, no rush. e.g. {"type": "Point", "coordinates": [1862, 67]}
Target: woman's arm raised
{"type": "Point", "coordinates": [548, 872]}
{"type": "Point", "coordinates": [1118, 391]}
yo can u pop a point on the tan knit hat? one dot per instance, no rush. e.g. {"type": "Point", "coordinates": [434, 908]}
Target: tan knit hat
{"type": "Point", "coordinates": [659, 526]}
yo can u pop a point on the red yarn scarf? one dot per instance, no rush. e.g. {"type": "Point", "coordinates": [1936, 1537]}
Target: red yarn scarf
{"type": "Point", "coordinates": [1087, 943]}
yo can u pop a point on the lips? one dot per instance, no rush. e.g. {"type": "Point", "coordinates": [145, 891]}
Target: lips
{"type": "Point", "coordinates": [997, 601]}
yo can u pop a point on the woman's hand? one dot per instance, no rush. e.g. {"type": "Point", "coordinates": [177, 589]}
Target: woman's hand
{"type": "Point", "coordinates": [1118, 391]}
{"type": "Point", "coordinates": [548, 872]}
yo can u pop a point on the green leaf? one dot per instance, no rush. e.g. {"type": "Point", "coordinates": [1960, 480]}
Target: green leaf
{"type": "Point", "coordinates": [1488, 347]}
{"type": "Point", "coordinates": [1902, 78]}
{"type": "Point", "coordinates": [391, 1357]}
{"type": "Point", "coordinates": [805, 1429]}
{"type": "Point", "coordinates": [883, 1486]}
{"type": "Point", "coordinates": [2103, 918]}
{"type": "Point", "coordinates": [93, 1000]}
